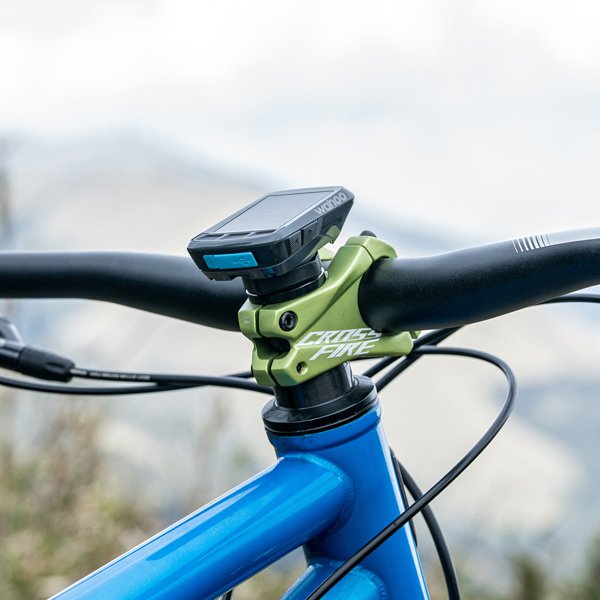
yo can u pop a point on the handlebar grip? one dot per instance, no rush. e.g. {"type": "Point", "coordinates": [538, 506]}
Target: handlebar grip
{"type": "Point", "coordinates": [167, 285]}
{"type": "Point", "coordinates": [471, 285]}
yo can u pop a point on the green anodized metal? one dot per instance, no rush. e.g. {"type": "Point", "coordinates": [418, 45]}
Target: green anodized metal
{"type": "Point", "coordinates": [328, 329]}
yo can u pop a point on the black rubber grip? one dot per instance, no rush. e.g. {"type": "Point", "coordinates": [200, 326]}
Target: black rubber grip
{"type": "Point", "coordinates": [166, 285]}
{"type": "Point", "coordinates": [475, 284]}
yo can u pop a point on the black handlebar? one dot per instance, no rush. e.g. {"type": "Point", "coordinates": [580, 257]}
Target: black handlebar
{"type": "Point", "coordinates": [167, 285]}
{"type": "Point", "coordinates": [395, 294]}
{"type": "Point", "coordinates": [475, 284]}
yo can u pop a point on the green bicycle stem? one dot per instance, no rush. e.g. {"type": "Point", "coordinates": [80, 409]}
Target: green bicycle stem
{"type": "Point", "coordinates": [297, 340]}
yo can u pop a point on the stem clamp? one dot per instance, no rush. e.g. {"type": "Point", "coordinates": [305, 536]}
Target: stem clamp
{"type": "Point", "coordinates": [297, 340]}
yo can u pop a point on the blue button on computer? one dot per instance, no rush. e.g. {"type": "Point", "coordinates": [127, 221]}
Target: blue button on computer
{"type": "Point", "coordinates": [240, 260]}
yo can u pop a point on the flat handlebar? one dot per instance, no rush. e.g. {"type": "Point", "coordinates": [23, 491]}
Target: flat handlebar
{"type": "Point", "coordinates": [166, 285]}
{"type": "Point", "coordinates": [478, 283]}
{"type": "Point", "coordinates": [395, 294]}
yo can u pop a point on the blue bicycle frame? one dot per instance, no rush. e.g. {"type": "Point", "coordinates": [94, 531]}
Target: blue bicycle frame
{"type": "Point", "coordinates": [330, 492]}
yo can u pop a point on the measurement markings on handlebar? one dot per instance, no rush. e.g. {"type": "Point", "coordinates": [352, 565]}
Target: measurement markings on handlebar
{"type": "Point", "coordinates": [531, 242]}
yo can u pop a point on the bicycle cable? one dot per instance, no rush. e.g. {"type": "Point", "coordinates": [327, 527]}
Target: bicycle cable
{"type": "Point", "coordinates": [164, 383]}
{"type": "Point", "coordinates": [444, 482]}
{"type": "Point", "coordinates": [435, 530]}
{"type": "Point", "coordinates": [432, 338]}
{"type": "Point", "coordinates": [170, 379]}
{"type": "Point", "coordinates": [584, 298]}
{"type": "Point", "coordinates": [438, 335]}
{"type": "Point", "coordinates": [193, 382]}
{"type": "Point", "coordinates": [404, 477]}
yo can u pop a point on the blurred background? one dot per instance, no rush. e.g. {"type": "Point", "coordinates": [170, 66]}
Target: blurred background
{"type": "Point", "coordinates": [130, 125]}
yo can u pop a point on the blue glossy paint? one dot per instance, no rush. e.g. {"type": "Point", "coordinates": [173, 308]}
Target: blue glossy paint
{"type": "Point", "coordinates": [229, 540]}
{"type": "Point", "coordinates": [360, 449]}
{"type": "Point", "coordinates": [359, 584]}
{"type": "Point", "coordinates": [329, 492]}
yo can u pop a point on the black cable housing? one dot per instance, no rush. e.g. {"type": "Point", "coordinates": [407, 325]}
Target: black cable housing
{"type": "Point", "coordinates": [432, 338]}
{"type": "Point", "coordinates": [124, 390]}
{"type": "Point", "coordinates": [171, 379]}
{"type": "Point", "coordinates": [584, 297]}
{"type": "Point", "coordinates": [434, 529]}
{"type": "Point", "coordinates": [444, 482]}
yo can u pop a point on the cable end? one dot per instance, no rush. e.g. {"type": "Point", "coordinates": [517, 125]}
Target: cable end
{"type": "Point", "coordinates": [44, 365]}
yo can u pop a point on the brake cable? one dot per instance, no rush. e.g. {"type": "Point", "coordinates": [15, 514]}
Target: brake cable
{"type": "Point", "coordinates": [444, 482]}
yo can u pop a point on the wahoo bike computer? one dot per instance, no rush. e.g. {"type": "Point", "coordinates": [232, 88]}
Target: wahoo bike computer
{"type": "Point", "coordinates": [272, 236]}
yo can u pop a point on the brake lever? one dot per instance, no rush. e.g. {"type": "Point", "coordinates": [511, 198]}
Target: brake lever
{"type": "Point", "coordinates": [9, 331]}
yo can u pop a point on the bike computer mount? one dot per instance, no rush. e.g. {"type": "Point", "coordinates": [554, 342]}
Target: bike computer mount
{"type": "Point", "coordinates": [273, 242]}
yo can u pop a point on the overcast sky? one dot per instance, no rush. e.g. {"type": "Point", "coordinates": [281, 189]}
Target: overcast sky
{"type": "Point", "coordinates": [478, 115]}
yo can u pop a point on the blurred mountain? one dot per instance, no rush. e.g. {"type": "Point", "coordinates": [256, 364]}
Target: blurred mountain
{"type": "Point", "coordinates": [125, 191]}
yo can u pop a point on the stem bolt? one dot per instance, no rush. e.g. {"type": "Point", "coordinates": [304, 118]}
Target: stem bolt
{"type": "Point", "coordinates": [302, 368]}
{"type": "Point", "coordinates": [288, 321]}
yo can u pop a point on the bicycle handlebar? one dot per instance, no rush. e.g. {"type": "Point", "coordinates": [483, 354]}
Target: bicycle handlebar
{"type": "Point", "coordinates": [471, 285]}
{"type": "Point", "coordinates": [395, 294]}
{"type": "Point", "coordinates": [166, 285]}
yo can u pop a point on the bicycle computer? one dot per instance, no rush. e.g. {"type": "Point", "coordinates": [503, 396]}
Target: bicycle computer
{"type": "Point", "coordinates": [272, 236]}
